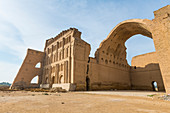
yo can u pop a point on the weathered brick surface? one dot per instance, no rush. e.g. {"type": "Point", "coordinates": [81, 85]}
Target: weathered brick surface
{"type": "Point", "coordinates": [66, 59]}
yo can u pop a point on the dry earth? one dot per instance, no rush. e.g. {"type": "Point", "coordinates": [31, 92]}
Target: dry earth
{"type": "Point", "coordinates": [82, 102]}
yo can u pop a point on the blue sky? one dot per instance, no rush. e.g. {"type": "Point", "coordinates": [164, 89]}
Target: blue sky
{"type": "Point", "coordinates": [28, 23]}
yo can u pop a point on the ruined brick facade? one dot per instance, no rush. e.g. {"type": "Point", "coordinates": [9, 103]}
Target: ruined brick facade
{"type": "Point", "coordinates": [65, 61]}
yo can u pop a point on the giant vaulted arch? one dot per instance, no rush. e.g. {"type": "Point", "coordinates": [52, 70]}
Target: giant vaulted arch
{"type": "Point", "coordinates": [112, 52]}
{"type": "Point", "coordinates": [115, 41]}
{"type": "Point", "coordinates": [113, 49]}
{"type": "Point", "coordinates": [124, 30]}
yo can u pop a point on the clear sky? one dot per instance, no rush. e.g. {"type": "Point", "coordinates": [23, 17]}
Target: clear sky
{"type": "Point", "coordinates": [28, 23]}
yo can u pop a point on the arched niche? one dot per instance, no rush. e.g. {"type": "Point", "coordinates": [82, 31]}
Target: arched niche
{"type": "Point", "coordinates": [53, 80]}
{"type": "Point", "coordinates": [61, 79]}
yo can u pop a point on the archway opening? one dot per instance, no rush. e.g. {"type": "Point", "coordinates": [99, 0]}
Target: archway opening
{"type": "Point", "coordinates": [35, 80]}
{"type": "Point", "coordinates": [115, 42]}
{"type": "Point", "coordinates": [137, 45]}
{"type": "Point", "coordinates": [61, 79]}
{"type": "Point", "coordinates": [53, 78]}
{"type": "Point", "coordinates": [38, 65]}
{"type": "Point", "coordinates": [114, 49]}
{"type": "Point", "coordinates": [46, 80]}
{"type": "Point", "coordinates": [154, 86]}
{"type": "Point", "coordinates": [87, 83]}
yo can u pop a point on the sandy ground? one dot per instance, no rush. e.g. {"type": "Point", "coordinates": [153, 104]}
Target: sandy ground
{"type": "Point", "coordinates": [82, 102]}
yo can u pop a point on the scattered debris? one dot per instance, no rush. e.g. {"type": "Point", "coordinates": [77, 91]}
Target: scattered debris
{"type": "Point", "coordinates": [37, 90]}
{"type": "Point", "coordinates": [45, 94]}
{"type": "Point", "coordinates": [58, 89]}
{"type": "Point", "coordinates": [58, 95]}
{"type": "Point", "coordinates": [165, 97]}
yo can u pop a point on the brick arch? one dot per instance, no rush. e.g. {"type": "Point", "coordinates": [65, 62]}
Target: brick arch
{"type": "Point", "coordinates": [114, 44]}
{"type": "Point", "coordinates": [126, 29]}
{"type": "Point", "coordinates": [61, 79]}
{"type": "Point", "coordinates": [28, 70]}
{"type": "Point", "coordinates": [34, 77]}
{"type": "Point", "coordinates": [37, 65]}
{"type": "Point", "coordinates": [157, 29]}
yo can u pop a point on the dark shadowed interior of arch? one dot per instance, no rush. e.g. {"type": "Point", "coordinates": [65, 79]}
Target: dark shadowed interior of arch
{"type": "Point", "coordinates": [137, 45]}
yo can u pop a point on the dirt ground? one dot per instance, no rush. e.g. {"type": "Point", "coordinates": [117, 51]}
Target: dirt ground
{"type": "Point", "coordinates": [83, 102]}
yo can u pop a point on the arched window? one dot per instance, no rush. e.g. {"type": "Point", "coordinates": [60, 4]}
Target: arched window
{"type": "Point", "coordinates": [69, 38]}
{"type": "Point", "coordinates": [59, 67]}
{"type": "Point", "coordinates": [106, 61]}
{"type": "Point", "coordinates": [61, 79]}
{"type": "Point", "coordinates": [62, 66]}
{"type": "Point", "coordinates": [66, 52]}
{"type": "Point", "coordinates": [38, 65]}
{"type": "Point", "coordinates": [54, 58]}
{"type": "Point", "coordinates": [53, 79]}
{"type": "Point", "coordinates": [46, 80]}
{"type": "Point", "coordinates": [61, 44]}
{"type": "Point", "coordinates": [52, 48]}
{"type": "Point", "coordinates": [63, 41]}
{"type": "Point", "coordinates": [34, 80]}
{"type": "Point", "coordinates": [60, 56]}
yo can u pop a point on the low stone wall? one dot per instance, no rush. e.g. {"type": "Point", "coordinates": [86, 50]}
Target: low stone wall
{"type": "Point", "coordinates": [142, 77]}
{"type": "Point", "coordinates": [44, 85]}
{"type": "Point", "coordinates": [111, 86]}
{"type": "Point", "coordinates": [66, 86]}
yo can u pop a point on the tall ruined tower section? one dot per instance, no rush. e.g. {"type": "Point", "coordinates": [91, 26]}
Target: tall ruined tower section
{"type": "Point", "coordinates": [161, 37]}
{"type": "Point", "coordinates": [61, 56]}
{"type": "Point", "coordinates": [28, 70]}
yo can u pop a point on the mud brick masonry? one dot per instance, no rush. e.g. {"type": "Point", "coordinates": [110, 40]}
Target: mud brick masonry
{"type": "Point", "coordinates": [65, 61]}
